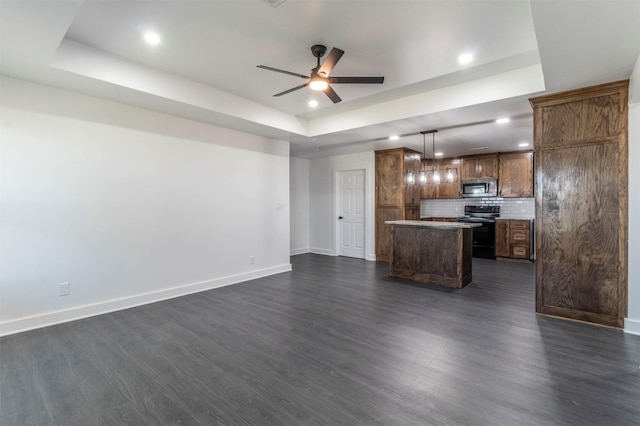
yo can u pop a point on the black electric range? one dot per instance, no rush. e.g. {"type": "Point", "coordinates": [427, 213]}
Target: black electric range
{"type": "Point", "coordinates": [484, 237]}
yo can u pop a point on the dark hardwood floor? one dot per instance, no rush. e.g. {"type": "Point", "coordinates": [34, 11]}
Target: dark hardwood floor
{"type": "Point", "coordinates": [334, 342]}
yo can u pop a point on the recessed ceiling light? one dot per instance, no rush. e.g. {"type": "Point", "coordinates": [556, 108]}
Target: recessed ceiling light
{"type": "Point", "coordinates": [152, 38]}
{"type": "Point", "coordinates": [313, 103]}
{"type": "Point", "coordinates": [465, 58]}
{"type": "Point", "coordinates": [394, 138]}
{"type": "Point", "coordinates": [318, 150]}
{"type": "Point", "coordinates": [439, 154]}
{"type": "Point", "coordinates": [523, 144]}
{"type": "Point", "coordinates": [502, 120]}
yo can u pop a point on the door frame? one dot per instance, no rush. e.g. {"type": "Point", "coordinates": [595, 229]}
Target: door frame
{"type": "Point", "coordinates": [369, 236]}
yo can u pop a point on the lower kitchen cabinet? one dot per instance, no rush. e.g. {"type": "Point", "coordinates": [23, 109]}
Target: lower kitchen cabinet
{"type": "Point", "coordinates": [513, 238]}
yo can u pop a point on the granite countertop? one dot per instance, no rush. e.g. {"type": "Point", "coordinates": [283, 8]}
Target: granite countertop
{"type": "Point", "coordinates": [439, 217]}
{"type": "Point", "coordinates": [433, 224]}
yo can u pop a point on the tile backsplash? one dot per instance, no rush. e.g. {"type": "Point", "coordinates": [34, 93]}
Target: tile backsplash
{"type": "Point", "coordinates": [510, 208]}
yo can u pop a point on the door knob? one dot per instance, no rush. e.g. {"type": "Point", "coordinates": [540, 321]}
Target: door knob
{"type": "Point", "coordinates": [339, 217]}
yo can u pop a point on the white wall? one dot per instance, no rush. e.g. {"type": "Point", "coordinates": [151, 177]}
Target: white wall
{"type": "Point", "coordinates": [323, 214]}
{"type": "Point", "coordinates": [299, 194]}
{"type": "Point", "coordinates": [128, 205]}
{"type": "Point", "coordinates": [632, 322]}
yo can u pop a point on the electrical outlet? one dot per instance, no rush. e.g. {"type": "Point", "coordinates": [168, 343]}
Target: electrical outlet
{"type": "Point", "coordinates": [252, 260]}
{"type": "Point", "coordinates": [64, 289]}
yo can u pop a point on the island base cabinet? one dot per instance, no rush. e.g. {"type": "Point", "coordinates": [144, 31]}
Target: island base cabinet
{"type": "Point", "coordinates": [432, 255]}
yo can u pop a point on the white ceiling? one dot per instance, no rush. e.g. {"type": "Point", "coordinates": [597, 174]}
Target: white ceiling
{"type": "Point", "coordinates": [205, 67]}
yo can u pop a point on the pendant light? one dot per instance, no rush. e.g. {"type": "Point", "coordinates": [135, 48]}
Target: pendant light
{"type": "Point", "coordinates": [423, 172]}
{"type": "Point", "coordinates": [436, 174]}
{"type": "Point", "coordinates": [449, 175]}
{"type": "Point", "coordinates": [435, 177]}
{"type": "Point", "coordinates": [410, 178]}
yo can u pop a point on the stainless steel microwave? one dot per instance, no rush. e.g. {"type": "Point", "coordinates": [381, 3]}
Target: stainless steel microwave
{"type": "Point", "coordinates": [480, 188]}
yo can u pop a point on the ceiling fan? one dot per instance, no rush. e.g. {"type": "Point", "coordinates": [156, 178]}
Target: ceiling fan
{"type": "Point", "coordinates": [319, 79]}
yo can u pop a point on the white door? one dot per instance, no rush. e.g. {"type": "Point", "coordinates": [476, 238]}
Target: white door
{"type": "Point", "coordinates": [351, 214]}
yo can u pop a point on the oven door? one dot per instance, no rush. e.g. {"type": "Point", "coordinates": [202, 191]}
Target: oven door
{"type": "Point", "coordinates": [484, 240]}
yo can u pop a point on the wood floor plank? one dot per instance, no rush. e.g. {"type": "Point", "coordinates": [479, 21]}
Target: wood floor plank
{"type": "Point", "coordinates": [336, 341]}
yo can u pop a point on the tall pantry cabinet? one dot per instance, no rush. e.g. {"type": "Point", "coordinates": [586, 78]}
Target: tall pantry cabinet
{"type": "Point", "coordinates": [581, 203]}
{"type": "Point", "coordinates": [397, 198]}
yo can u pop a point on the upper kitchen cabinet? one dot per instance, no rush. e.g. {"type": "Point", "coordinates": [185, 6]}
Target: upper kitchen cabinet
{"type": "Point", "coordinates": [516, 174]}
{"type": "Point", "coordinates": [449, 186]}
{"type": "Point", "coordinates": [397, 193]}
{"type": "Point", "coordinates": [480, 167]}
{"type": "Point", "coordinates": [448, 171]}
{"type": "Point", "coordinates": [428, 189]}
{"type": "Point", "coordinates": [412, 174]}
{"type": "Point", "coordinates": [581, 174]}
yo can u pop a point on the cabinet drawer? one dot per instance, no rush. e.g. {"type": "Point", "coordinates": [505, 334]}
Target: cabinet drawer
{"type": "Point", "coordinates": [520, 252]}
{"type": "Point", "coordinates": [520, 237]}
{"type": "Point", "coordinates": [519, 225]}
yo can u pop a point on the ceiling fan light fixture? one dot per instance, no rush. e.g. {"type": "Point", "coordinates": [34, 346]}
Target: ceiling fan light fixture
{"type": "Point", "coordinates": [318, 83]}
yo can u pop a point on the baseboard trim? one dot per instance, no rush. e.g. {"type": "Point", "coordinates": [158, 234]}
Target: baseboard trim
{"type": "Point", "coordinates": [295, 252]}
{"type": "Point", "coordinates": [80, 312]}
{"type": "Point", "coordinates": [632, 326]}
{"type": "Point", "coordinates": [324, 252]}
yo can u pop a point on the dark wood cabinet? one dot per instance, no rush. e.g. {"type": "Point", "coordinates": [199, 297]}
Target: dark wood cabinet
{"type": "Point", "coordinates": [502, 238]}
{"type": "Point", "coordinates": [479, 167]}
{"type": "Point", "coordinates": [449, 187]}
{"type": "Point", "coordinates": [581, 203]}
{"type": "Point", "coordinates": [513, 238]}
{"type": "Point", "coordinates": [514, 171]}
{"type": "Point", "coordinates": [515, 174]}
{"type": "Point", "coordinates": [397, 193]}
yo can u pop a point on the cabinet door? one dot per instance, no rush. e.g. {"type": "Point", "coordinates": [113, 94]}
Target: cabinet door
{"type": "Point", "coordinates": [389, 179]}
{"type": "Point", "coordinates": [480, 167]}
{"type": "Point", "coordinates": [412, 189]}
{"type": "Point", "coordinates": [469, 168]}
{"type": "Point", "coordinates": [516, 175]}
{"type": "Point", "coordinates": [487, 167]}
{"type": "Point", "coordinates": [427, 190]}
{"type": "Point", "coordinates": [383, 232]}
{"type": "Point", "coordinates": [412, 213]}
{"type": "Point", "coordinates": [503, 248]}
{"type": "Point", "coordinates": [449, 186]}
{"type": "Point", "coordinates": [578, 257]}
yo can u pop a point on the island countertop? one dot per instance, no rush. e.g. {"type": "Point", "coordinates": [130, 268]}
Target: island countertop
{"type": "Point", "coordinates": [433, 224]}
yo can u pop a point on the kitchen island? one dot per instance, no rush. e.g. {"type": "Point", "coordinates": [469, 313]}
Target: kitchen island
{"type": "Point", "coordinates": [432, 252]}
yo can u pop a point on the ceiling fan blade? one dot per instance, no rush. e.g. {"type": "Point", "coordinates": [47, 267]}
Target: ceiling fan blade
{"type": "Point", "coordinates": [357, 80]}
{"type": "Point", "coordinates": [295, 74]}
{"type": "Point", "coordinates": [332, 95]}
{"type": "Point", "coordinates": [292, 90]}
{"type": "Point", "coordinates": [330, 62]}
